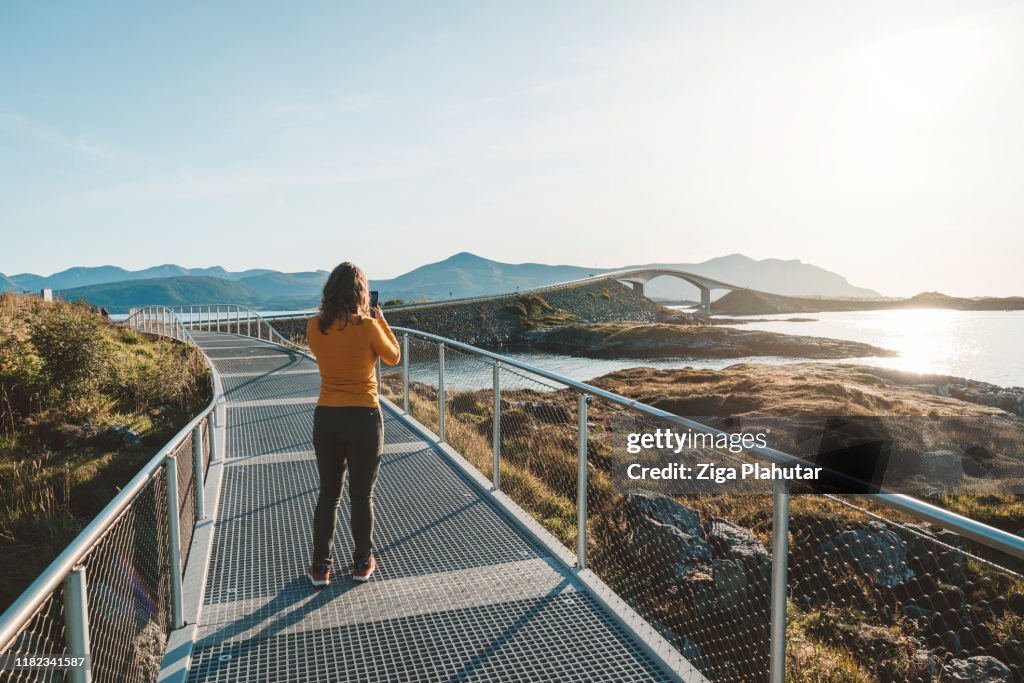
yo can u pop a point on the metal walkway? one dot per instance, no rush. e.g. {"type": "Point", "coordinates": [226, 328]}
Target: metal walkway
{"type": "Point", "coordinates": [461, 593]}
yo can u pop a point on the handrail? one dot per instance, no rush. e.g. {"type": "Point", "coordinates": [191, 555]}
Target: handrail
{"type": "Point", "coordinates": [965, 526]}
{"type": "Point", "coordinates": [977, 531]}
{"type": "Point", "coordinates": [22, 609]}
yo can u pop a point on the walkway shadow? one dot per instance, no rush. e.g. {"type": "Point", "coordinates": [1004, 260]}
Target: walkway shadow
{"type": "Point", "coordinates": [296, 591]}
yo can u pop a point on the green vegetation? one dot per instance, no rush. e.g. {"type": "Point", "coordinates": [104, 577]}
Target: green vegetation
{"type": "Point", "coordinates": [83, 405]}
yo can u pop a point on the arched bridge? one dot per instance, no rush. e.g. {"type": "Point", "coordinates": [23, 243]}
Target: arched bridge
{"type": "Point", "coordinates": [636, 277]}
{"type": "Point", "coordinates": [505, 551]}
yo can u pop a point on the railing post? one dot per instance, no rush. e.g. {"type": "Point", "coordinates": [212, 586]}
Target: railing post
{"type": "Point", "coordinates": [582, 401]}
{"type": "Point", "coordinates": [440, 392]}
{"type": "Point", "coordinates": [218, 318]}
{"type": "Point", "coordinates": [191, 315]}
{"type": "Point", "coordinates": [780, 556]}
{"type": "Point", "coordinates": [211, 434]}
{"type": "Point", "coordinates": [197, 469]}
{"type": "Point", "coordinates": [76, 623]}
{"type": "Point", "coordinates": [496, 435]}
{"type": "Point", "coordinates": [174, 539]}
{"type": "Point", "coordinates": [405, 373]}
{"type": "Point", "coordinates": [248, 323]}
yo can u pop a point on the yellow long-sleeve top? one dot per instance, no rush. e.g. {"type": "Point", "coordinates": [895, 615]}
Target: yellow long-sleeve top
{"type": "Point", "coordinates": [347, 356]}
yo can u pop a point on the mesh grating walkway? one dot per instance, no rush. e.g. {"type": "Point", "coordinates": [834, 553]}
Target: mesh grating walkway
{"type": "Point", "coordinates": [460, 593]}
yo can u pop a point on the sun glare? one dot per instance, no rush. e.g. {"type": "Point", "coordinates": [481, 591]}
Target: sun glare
{"type": "Point", "coordinates": [921, 70]}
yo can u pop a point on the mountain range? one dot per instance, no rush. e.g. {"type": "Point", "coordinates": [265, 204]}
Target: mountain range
{"type": "Point", "coordinates": [461, 275]}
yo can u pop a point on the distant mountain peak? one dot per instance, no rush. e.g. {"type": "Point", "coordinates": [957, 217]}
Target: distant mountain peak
{"type": "Point", "coordinates": [464, 257]}
{"type": "Point", "coordinates": [736, 258]}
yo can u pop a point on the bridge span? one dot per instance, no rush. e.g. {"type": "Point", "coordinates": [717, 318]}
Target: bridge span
{"type": "Point", "coordinates": [504, 552]}
{"type": "Point", "coordinates": [635, 277]}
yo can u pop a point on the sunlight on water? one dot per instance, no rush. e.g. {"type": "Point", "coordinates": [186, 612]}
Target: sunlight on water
{"type": "Point", "coordinates": [981, 345]}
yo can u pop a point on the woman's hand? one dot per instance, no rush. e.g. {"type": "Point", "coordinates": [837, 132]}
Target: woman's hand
{"type": "Point", "coordinates": [377, 313]}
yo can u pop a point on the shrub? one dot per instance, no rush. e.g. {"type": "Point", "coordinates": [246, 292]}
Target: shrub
{"type": "Point", "coordinates": [75, 354]}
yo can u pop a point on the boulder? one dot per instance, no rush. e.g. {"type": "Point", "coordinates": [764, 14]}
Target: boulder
{"type": "Point", "coordinates": [736, 543]}
{"type": "Point", "coordinates": [937, 554]}
{"type": "Point", "coordinates": [982, 669]}
{"type": "Point", "coordinates": [667, 532]}
{"type": "Point", "coordinates": [663, 509]}
{"type": "Point", "coordinates": [942, 466]}
{"type": "Point", "coordinates": [129, 437]}
{"type": "Point", "coordinates": [551, 412]}
{"type": "Point", "coordinates": [874, 550]}
{"type": "Point", "coordinates": [730, 582]}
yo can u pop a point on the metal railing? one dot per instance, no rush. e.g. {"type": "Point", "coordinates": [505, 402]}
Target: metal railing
{"type": "Point", "coordinates": [233, 319]}
{"type": "Point", "coordinates": [725, 582]}
{"type": "Point", "coordinates": [115, 593]}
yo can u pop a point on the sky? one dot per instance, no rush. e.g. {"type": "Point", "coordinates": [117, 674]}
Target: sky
{"type": "Point", "coordinates": [878, 139]}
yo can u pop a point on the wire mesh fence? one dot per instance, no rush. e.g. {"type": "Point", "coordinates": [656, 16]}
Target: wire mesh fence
{"type": "Point", "coordinates": [43, 633]}
{"type": "Point", "coordinates": [895, 599]}
{"type": "Point", "coordinates": [539, 440]}
{"type": "Point", "coordinates": [424, 368]}
{"type": "Point", "coordinates": [696, 566]}
{"type": "Point", "coordinates": [871, 594]}
{"type": "Point", "coordinates": [185, 471]}
{"type": "Point", "coordinates": [129, 589]}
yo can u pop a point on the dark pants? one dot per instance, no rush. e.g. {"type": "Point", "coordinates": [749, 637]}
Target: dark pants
{"type": "Point", "coordinates": [346, 439]}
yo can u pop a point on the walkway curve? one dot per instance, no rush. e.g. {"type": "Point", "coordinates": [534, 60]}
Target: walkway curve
{"type": "Point", "coordinates": [462, 593]}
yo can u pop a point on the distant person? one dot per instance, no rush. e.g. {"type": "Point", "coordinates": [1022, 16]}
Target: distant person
{"type": "Point", "coordinates": [105, 313]}
{"type": "Point", "coordinates": [347, 337]}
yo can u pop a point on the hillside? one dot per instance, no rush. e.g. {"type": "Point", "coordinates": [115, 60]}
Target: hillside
{"type": "Point", "coordinates": [276, 285]}
{"type": "Point", "coordinates": [86, 276]}
{"type": "Point", "coordinates": [118, 297]}
{"type": "Point", "coordinates": [8, 285]}
{"type": "Point", "coordinates": [86, 404]}
{"type": "Point", "coordinates": [466, 274]}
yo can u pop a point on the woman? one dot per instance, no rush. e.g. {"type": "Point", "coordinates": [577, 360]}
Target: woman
{"type": "Point", "coordinates": [347, 338]}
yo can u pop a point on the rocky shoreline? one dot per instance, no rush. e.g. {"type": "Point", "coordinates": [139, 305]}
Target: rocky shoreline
{"type": "Point", "coordinates": [660, 340]}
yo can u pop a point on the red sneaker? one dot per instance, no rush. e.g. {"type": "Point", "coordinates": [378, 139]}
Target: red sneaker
{"type": "Point", "coordinates": [320, 575]}
{"type": "Point", "coordinates": [362, 570]}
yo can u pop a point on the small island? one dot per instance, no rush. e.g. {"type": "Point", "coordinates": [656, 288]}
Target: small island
{"type": "Point", "coordinates": [660, 340]}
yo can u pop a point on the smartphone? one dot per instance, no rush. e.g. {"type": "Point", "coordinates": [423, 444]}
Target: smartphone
{"type": "Point", "coordinates": [374, 297]}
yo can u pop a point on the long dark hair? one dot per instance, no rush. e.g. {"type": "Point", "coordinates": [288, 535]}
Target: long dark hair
{"type": "Point", "coordinates": [346, 293]}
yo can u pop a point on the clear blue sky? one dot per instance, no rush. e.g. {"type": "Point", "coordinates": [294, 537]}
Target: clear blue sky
{"type": "Point", "coordinates": [878, 139]}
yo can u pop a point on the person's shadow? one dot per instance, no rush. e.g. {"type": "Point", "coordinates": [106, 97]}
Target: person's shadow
{"type": "Point", "coordinates": [274, 615]}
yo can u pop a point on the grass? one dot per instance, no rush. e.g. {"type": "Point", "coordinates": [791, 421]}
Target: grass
{"type": "Point", "coordinates": [533, 311]}
{"type": "Point", "coordinates": [66, 377]}
{"type": "Point", "coordinates": [841, 627]}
